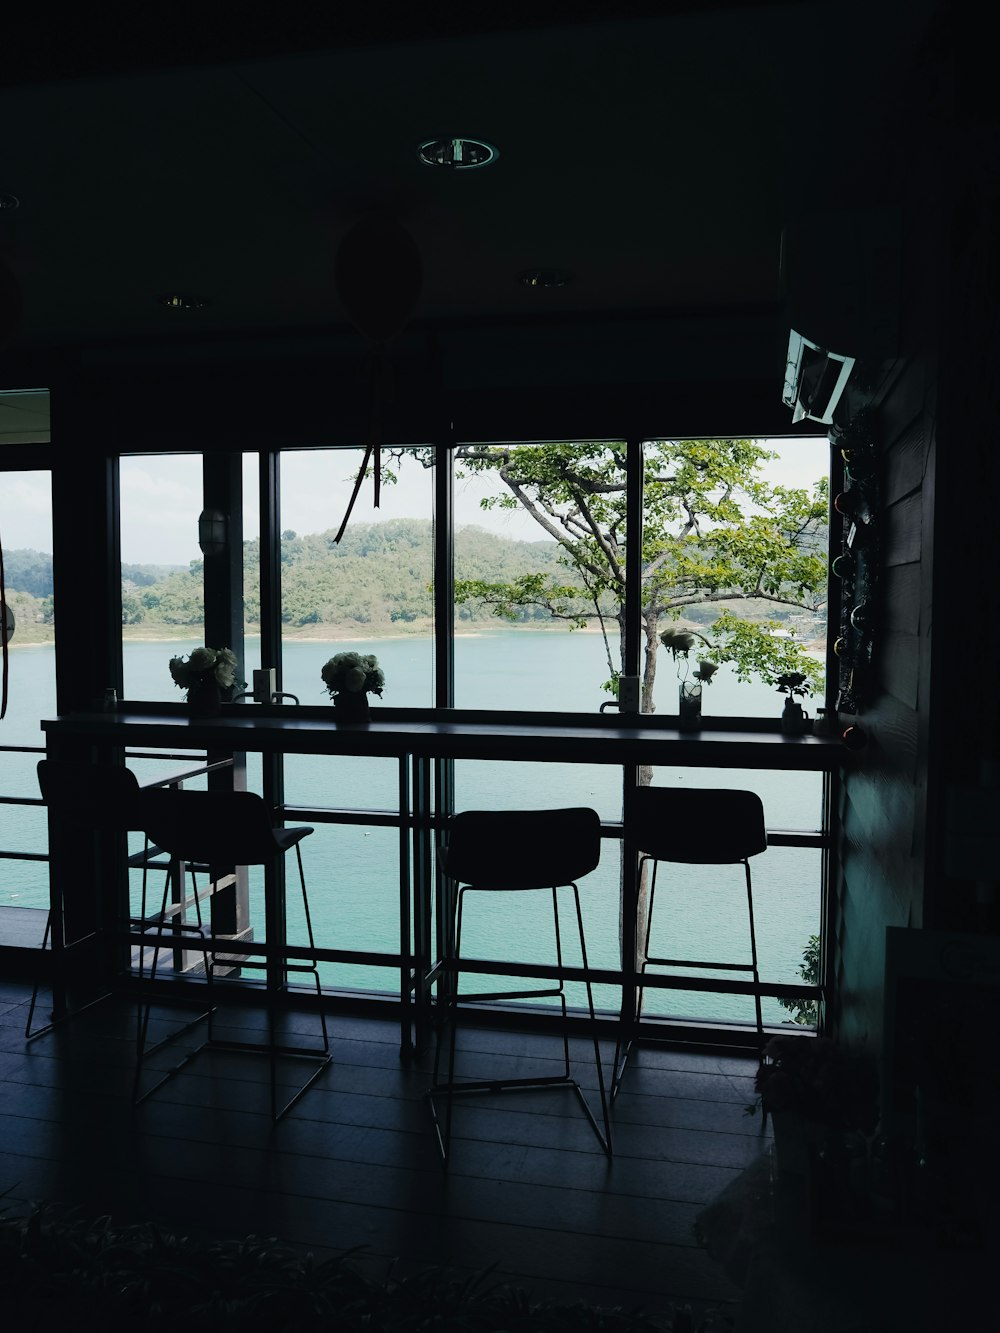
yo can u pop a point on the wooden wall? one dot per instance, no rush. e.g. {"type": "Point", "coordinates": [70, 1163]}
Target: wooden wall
{"type": "Point", "coordinates": [885, 795]}
{"type": "Point", "coordinates": [921, 813]}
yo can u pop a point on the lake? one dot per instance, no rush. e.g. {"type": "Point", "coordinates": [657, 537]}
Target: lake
{"type": "Point", "coordinates": [352, 871]}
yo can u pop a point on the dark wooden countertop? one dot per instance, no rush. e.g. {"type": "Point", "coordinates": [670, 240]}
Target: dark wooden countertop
{"type": "Point", "coordinates": [453, 734]}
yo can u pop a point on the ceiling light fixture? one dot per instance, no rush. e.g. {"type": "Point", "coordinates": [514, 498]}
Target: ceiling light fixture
{"type": "Point", "coordinates": [9, 200]}
{"type": "Point", "coordinates": [178, 301]}
{"type": "Point", "coordinates": [457, 154]}
{"type": "Point", "coordinates": [545, 277]}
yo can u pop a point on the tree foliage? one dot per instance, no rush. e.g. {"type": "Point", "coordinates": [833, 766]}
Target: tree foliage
{"type": "Point", "coordinates": [716, 535]}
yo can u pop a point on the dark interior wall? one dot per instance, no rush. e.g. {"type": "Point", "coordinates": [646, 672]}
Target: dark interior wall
{"type": "Point", "coordinates": [890, 798]}
{"type": "Point", "coordinates": [886, 795]}
{"type": "Point", "coordinates": [585, 377]}
{"type": "Point", "coordinates": [963, 892]}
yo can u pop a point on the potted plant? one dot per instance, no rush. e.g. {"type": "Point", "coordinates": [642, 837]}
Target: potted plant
{"type": "Point", "coordinates": [209, 676]}
{"type": "Point", "coordinates": [794, 685]}
{"type": "Point", "coordinates": [349, 678]}
{"type": "Point", "coordinates": [815, 1092]}
{"type": "Point", "coordinates": [679, 643]}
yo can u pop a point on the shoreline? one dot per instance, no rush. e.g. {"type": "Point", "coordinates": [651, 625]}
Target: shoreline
{"type": "Point", "coordinates": [376, 636]}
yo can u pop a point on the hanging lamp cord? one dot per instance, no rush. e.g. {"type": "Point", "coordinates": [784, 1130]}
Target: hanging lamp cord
{"type": "Point", "coordinates": [379, 384]}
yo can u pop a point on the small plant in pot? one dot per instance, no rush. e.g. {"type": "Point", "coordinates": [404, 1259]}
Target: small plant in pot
{"type": "Point", "coordinates": [794, 685]}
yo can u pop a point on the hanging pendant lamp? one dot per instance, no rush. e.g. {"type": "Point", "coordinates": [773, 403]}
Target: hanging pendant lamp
{"type": "Point", "coordinates": [378, 276]}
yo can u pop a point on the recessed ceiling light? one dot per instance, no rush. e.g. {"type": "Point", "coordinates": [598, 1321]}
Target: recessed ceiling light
{"type": "Point", "coordinates": [9, 200]}
{"type": "Point", "coordinates": [545, 277]}
{"type": "Point", "coordinates": [178, 301]}
{"type": "Point", "coordinates": [458, 154]}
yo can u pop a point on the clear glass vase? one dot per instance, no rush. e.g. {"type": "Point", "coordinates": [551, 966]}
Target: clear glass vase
{"type": "Point", "coordinates": [689, 709]}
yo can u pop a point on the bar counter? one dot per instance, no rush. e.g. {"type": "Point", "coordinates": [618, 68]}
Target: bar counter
{"type": "Point", "coordinates": [415, 739]}
{"type": "Point", "coordinates": [451, 734]}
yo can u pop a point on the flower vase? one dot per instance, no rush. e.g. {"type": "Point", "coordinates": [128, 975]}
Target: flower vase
{"type": "Point", "coordinates": [205, 698]}
{"type": "Point", "coordinates": [689, 712]}
{"type": "Point", "coordinates": [352, 706]}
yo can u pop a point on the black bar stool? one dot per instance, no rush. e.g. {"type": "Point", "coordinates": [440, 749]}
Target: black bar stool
{"type": "Point", "coordinates": [519, 851]}
{"type": "Point", "coordinates": [83, 799]}
{"type": "Point", "coordinates": [224, 829]}
{"type": "Point", "coordinates": [693, 826]}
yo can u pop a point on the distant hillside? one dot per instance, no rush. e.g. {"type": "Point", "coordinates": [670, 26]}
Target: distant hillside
{"type": "Point", "coordinates": [378, 580]}
{"type": "Point", "coordinates": [31, 572]}
{"type": "Point", "coordinates": [28, 571]}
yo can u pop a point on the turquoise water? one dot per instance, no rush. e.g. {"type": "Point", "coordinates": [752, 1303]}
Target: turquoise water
{"type": "Point", "coordinates": [352, 872]}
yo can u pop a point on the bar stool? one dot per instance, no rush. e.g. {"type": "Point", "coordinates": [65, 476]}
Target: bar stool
{"type": "Point", "coordinates": [222, 829]}
{"type": "Point", "coordinates": [693, 826]}
{"type": "Point", "coordinates": [84, 798]}
{"type": "Point", "coordinates": [517, 851]}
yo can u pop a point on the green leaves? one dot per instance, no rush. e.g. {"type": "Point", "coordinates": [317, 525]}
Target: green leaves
{"type": "Point", "coordinates": [714, 531]}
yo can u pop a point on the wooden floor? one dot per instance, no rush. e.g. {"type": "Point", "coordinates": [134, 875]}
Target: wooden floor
{"type": "Point", "coordinates": [528, 1191]}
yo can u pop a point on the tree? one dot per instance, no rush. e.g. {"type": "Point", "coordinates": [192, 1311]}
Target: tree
{"type": "Point", "coordinates": [715, 533]}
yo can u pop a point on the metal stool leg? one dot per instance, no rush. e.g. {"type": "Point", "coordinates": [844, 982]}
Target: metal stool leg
{"type": "Point", "coordinates": [622, 1055]}
{"type": "Point", "coordinates": [451, 1088]}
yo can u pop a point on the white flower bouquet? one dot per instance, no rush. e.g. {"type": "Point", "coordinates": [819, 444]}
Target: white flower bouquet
{"type": "Point", "coordinates": [205, 664]}
{"type": "Point", "coordinates": [353, 673]}
{"type": "Point", "coordinates": [679, 643]}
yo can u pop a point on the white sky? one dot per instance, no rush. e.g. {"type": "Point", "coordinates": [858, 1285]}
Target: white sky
{"type": "Point", "coordinates": [161, 499]}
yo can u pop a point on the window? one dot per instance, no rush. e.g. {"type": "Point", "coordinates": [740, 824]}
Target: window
{"type": "Point", "coordinates": [26, 533]}
{"type": "Point", "coordinates": [373, 592]}
{"type": "Point", "coordinates": [540, 541]}
{"type": "Point", "coordinates": [163, 602]}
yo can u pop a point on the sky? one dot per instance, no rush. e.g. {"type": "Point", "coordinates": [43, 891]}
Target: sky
{"type": "Point", "coordinates": [161, 499]}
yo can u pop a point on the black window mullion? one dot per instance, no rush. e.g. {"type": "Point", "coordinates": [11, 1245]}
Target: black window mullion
{"type": "Point", "coordinates": [633, 557]}
{"type": "Point", "coordinates": [444, 576]}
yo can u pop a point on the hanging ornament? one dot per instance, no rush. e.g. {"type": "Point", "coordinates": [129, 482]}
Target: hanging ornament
{"type": "Point", "coordinates": [378, 275]}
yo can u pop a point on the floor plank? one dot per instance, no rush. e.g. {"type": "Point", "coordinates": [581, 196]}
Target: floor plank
{"type": "Point", "coordinates": [528, 1192]}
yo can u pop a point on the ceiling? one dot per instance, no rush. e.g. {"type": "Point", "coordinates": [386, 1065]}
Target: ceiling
{"type": "Point", "coordinates": [655, 156]}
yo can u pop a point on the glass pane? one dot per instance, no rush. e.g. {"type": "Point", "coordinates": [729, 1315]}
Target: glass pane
{"type": "Point", "coordinates": [26, 531]}
{"type": "Point", "coordinates": [352, 877]}
{"type": "Point", "coordinates": [251, 566]}
{"type": "Point", "coordinates": [700, 912]}
{"type": "Point", "coordinates": [539, 573]}
{"type": "Point", "coordinates": [515, 786]}
{"type": "Point", "coordinates": [373, 592]}
{"type": "Point", "coordinates": [733, 530]}
{"type": "Point", "coordinates": [519, 928]}
{"type": "Point", "coordinates": [163, 599]}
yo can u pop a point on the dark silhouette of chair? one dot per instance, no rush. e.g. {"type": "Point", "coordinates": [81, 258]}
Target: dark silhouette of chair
{"type": "Point", "coordinates": [693, 826]}
{"type": "Point", "coordinates": [83, 799]}
{"type": "Point", "coordinates": [520, 851]}
{"type": "Point", "coordinates": [220, 830]}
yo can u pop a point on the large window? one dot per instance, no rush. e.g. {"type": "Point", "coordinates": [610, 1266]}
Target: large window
{"type": "Point", "coordinates": [26, 533]}
{"type": "Point", "coordinates": [555, 550]}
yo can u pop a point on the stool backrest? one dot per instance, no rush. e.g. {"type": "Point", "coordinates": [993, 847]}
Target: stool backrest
{"type": "Point", "coordinates": [100, 796]}
{"type": "Point", "coordinates": [523, 849]}
{"type": "Point", "coordinates": [219, 828]}
{"type": "Point", "coordinates": [696, 825]}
